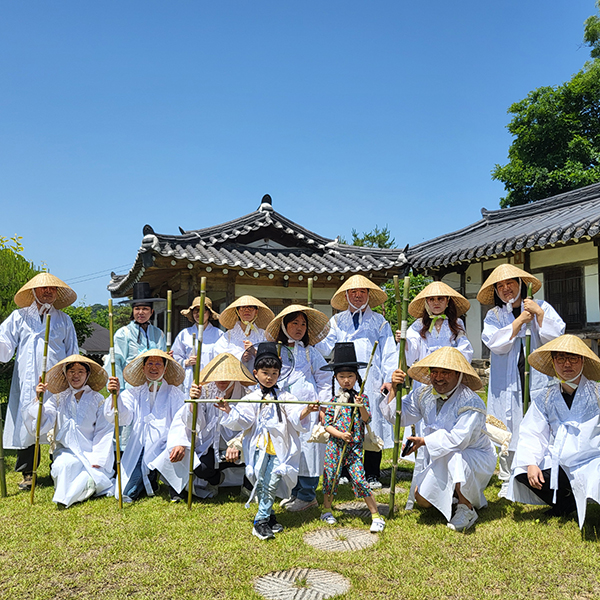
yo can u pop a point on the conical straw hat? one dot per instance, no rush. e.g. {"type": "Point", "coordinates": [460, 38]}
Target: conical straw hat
{"type": "Point", "coordinates": [541, 359]}
{"type": "Point", "coordinates": [134, 371]}
{"type": "Point", "coordinates": [229, 316]}
{"type": "Point", "coordinates": [57, 380]}
{"type": "Point", "coordinates": [501, 273]}
{"type": "Point", "coordinates": [318, 323]}
{"type": "Point", "coordinates": [65, 295]}
{"type": "Point", "coordinates": [446, 358]}
{"type": "Point", "coordinates": [226, 367]}
{"type": "Point", "coordinates": [376, 295]}
{"type": "Point", "coordinates": [417, 307]}
{"type": "Point", "coordinates": [188, 312]}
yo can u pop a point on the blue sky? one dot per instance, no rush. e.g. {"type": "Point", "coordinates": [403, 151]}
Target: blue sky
{"type": "Point", "coordinates": [351, 114]}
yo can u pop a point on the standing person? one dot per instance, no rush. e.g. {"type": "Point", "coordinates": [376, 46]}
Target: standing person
{"type": "Point", "coordinates": [358, 323]}
{"type": "Point", "coordinates": [300, 328]}
{"type": "Point", "coordinates": [82, 459]}
{"type": "Point", "coordinates": [346, 427]}
{"type": "Point", "coordinates": [245, 321]}
{"type": "Point", "coordinates": [271, 446]}
{"type": "Point", "coordinates": [557, 461]}
{"type": "Point", "coordinates": [183, 348]}
{"type": "Point", "coordinates": [504, 329]}
{"type": "Point", "coordinates": [459, 457]}
{"type": "Point", "coordinates": [149, 406]}
{"type": "Point", "coordinates": [24, 331]}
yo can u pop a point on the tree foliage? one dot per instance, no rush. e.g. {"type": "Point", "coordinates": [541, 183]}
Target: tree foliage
{"type": "Point", "coordinates": [121, 315]}
{"type": "Point", "coordinates": [377, 238]}
{"type": "Point", "coordinates": [81, 316]}
{"type": "Point", "coordinates": [591, 33]}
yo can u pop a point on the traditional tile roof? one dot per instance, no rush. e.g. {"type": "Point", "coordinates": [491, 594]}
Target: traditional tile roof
{"type": "Point", "coordinates": [242, 244]}
{"type": "Point", "coordinates": [565, 218]}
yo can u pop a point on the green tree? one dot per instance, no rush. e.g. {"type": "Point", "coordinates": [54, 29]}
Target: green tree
{"type": "Point", "coordinates": [377, 238]}
{"type": "Point", "coordinates": [557, 135]}
{"type": "Point", "coordinates": [81, 316]}
{"type": "Point", "coordinates": [15, 271]}
{"type": "Point", "coordinates": [121, 315]}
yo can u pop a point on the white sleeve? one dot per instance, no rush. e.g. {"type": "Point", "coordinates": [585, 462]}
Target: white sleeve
{"type": "Point", "coordinates": [494, 336]}
{"type": "Point", "coordinates": [465, 431]}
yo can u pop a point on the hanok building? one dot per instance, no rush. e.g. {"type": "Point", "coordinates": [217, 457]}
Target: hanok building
{"type": "Point", "coordinates": [556, 239]}
{"type": "Point", "coordinates": [263, 254]}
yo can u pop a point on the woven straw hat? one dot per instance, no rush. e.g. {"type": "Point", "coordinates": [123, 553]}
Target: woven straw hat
{"type": "Point", "coordinates": [318, 323]}
{"type": "Point", "coordinates": [229, 317]}
{"type": "Point", "coordinates": [65, 295]}
{"type": "Point", "coordinates": [541, 359]}
{"type": "Point", "coordinates": [226, 367]}
{"type": "Point", "coordinates": [501, 273]}
{"type": "Point", "coordinates": [417, 307]}
{"type": "Point", "coordinates": [134, 371]}
{"type": "Point", "coordinates": [376, 295]}
{"type": "Point", "coordinates": [446, 358]}
{"type": "Point", "coordinates": [57, 380]}
{"type": "Point", "coordinates": [187, 312]}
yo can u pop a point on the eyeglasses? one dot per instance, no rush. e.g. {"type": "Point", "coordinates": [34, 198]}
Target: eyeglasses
{"type": "Point", "coordinates": [561, 359]}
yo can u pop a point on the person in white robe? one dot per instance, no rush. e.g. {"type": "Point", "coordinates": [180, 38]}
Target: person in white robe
{"type": "Point", "coordinates": [185, 345]}
{"type": "Point", "coordinates": [23, 331]}
{"type": "Point", "coordinates": [358, 323]}
{"type": "Point", "coordinates": [149, 406]}
{"type": "Point", "coordinates": [557, 460]}
{"type": "Point", "coordinates": [459, 456]}
{"type": "Point", "coordinates": [223, 378]}
{"type": "Point", "coordinates": [272, 445]}
{"type": "Point", "coordinates": [245, 321]}
{"type": "Point", "coordinates": [504, 332]}
{"type": "Point", "coordinates": [300, 328]}
{"type": "Point", "coordinates": [73, 416]}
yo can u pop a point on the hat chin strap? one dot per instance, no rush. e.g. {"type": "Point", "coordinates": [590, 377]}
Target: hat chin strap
{"type": "Point", "coordinates": [222, 393]}
{"type": "Point", "coordinates": [360, 309]}
{"type": "Point", "coordinates": [44, 307]}
{"type": "Point", "coordinates": [249, 324]}
{"type": "Point", "coordinates": [290, 340]}
{"type": "Point", "coordinates": [447, 395]}
{"type": "Point", "coordinates": [569, 382]}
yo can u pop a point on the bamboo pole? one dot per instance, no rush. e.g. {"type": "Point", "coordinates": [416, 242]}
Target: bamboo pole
{"type": "Point", "coordinates": [168, 319]}
{"type": "Point", "coordinates": [36, 453]}
{"type": "Point", "coordinates": [3, 492]}
{"type": "Point", "coordinates": [311, 304]}
{"type": "Point", "coordinates": [196, 381]}
{"type": "Point", "coordinates": [113, 370]}
{"type": "Point", "coordinates": [402, 312]}
{"type": "Point", "coordinates": [527, 353]}
{"type": "Point", "coordinates": [362, 389]}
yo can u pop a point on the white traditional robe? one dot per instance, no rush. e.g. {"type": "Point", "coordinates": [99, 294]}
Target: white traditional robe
{"type": "Point", "coordinates": [83, 437]}
{"type": "Point", "coordinates": [373, 327]}
{"type": "Point", "coordinates": [262, 420]}
{"type": "Point", "coordinates": [553, 436]}
{"type": "Point", "coordinates": [232, 340]}
{"type": "Point", "coordinates": [308, 383]}
{"type": "Point", "coordinates": [183, 348]}
{"type": "Point", "coordinates": [150, 426]}
{"type": "Point", "coordinates": [24, 331]}
{"type": "Point", "coordinates": [504, 399]}
{"type": "Point", "coordinates": [457, 449]}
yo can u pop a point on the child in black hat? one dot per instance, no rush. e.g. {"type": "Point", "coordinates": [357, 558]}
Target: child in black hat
{"type": "Point", "coordinates": [346, 427]}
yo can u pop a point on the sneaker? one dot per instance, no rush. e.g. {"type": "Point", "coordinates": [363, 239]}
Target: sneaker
{"type": "Point", "coordinates": [298, 505]}
{"type": "Point", "coordinates": [343, 481]}
{"type": "Point", "coordinates": [503, 493]}
{"type": "Point", "coordinates": [274, 525]}
{"type": "Point", "coordinates": [262, 530]}
{"type": "Point", "coordinates": [374, 483]}
{"type": "Point", "coordinates": [328, 518]}
{"type": "Point", "coordinates": [127, 500]}
{"type": "Point", "coordinates": [377, 525]}
{"type": "Point", "coordinates": [25, 485]}
{"type": "Point", "coordinates": [463, 518]}
{"type": "Point", "coordinates": [287, 501]}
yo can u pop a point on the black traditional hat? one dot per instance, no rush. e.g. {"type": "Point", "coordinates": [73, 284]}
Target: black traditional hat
{"type": "Point", "coordinates": [272, 350]}
{"type": "Point", "coordinates": [344, 358]}
{"type": "Point", "coordinates": [141, 295]}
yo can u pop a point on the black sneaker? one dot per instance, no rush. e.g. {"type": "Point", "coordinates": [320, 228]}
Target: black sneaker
{"type": "Point", "coordinates": [274, 525]}
{"type": "Point", "coordinates": [262, 530]}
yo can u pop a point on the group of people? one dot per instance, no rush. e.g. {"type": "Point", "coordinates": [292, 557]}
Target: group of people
{"type": "Point", "coordinates": [274, 416]}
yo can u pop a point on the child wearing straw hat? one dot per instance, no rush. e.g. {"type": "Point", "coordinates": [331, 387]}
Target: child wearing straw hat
{"type": "Point", "coordinates": [184, 347]}
{"type": "Point", "coordinates": [459, 458]}
{"type": "Point", "coordinates": [73, 411]}
{"type": "Point", "coordinates": [149, 406]}
{"type": "Point", "coordinates": [557, 461]}
{"type": "Point", "coordinates": [24, 331]}
{"type": "Point", "coordinates": [357, 323]}
{"type": "Point", "coordinates": [300, 328]}
{"type": "Point", "coordinates": [245, 321]}
{"type": "Point", "coordinates": [504, 331]}
{"type": "Point", "coordinates": [224, 377]}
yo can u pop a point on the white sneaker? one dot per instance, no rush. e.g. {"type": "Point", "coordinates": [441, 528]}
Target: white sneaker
{"type": "Point", "coordinates": [328, 518]}
{"type": "Point", "coordinates": [377, 525]}
{"type": "Point", "coordinates": [343, 481]}
{"type": "Point", "coordinates": [463, 518]}
{"type": "Point", "coordinates": [298, 505]}
{"type": "Point", "coordinates": [503, 493]}
{"type": "Point", "coordinates": [374, 483]}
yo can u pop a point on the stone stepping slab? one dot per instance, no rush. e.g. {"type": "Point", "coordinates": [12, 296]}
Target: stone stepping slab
{"type": "Point", "coordinates": [340, 539]}
{"type": "Point", "coordinates": [301, 584]}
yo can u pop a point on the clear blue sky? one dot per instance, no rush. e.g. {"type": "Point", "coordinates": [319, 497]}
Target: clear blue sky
{"type": "Point", "coordinates": [349, 113]}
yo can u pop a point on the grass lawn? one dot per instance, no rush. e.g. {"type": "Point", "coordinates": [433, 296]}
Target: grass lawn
{"type": "Point", "coordinates": [153, 549]}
